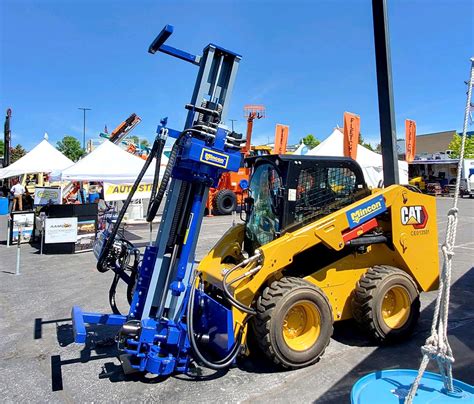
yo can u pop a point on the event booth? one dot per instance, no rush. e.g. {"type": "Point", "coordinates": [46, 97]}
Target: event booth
{"type": "Point", "coordinates": [116, 170]}
{"type": "Point", "coordinates": [67, 217]}
{"type": "Point", "coordinates": [43, 158]}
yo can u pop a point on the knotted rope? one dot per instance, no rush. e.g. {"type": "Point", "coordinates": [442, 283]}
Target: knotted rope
{"type": "Point", "coordinates": [437, 345]}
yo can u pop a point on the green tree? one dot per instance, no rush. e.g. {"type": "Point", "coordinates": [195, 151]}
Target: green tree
{"type": "Point", "coordinates": [310, 141]}
{"type": "Point", "coordinates": [378, 148]}
{"type": "Point", "coordinates": [134, 139]}
{"type": "Point", "coordinates": [16, 153]}
{"type": "Point", "coordinates": [455, 146]}
{"type": "Point", "coordinates": [2, 145]}
{"type": "Point", "coordinates": [368, 146]}
{"type": "Point", "coordinates": [70, 147]}
{"type": "Point", "coordinates": [364, 143]}
{"type": "Point", "coordinates": [144, 143]}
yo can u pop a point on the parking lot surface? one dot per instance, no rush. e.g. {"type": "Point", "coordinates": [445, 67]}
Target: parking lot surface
{"type": "Point", "coordinates": [39, 362]}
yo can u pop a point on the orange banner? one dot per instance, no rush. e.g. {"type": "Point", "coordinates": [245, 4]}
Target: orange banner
{"type": "Point", "coordinates": [281, 139]}
{"type": "Point", "coordinates": [351, 134]}
{"type": "Point", "coordinates": [410, 140]}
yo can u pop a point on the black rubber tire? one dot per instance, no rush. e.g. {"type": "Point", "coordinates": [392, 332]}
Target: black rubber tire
{"type": "Point", "coordinates": [225, 202]}
{"type": "Point", "coordinates": [368, 298]}
{"type": "Point", "coordinates": [272, 307]}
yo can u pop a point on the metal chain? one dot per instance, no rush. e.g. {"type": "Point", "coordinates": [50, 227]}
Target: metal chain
{"type": "Point", "coordinates": [437, 345]}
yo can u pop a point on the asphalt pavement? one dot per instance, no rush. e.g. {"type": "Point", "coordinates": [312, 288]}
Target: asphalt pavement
{"type": "Point", "coordinates": [39, 362]}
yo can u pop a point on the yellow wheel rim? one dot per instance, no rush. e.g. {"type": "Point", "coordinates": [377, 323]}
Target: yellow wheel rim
{"type": "Point", "coordinates": [396, 307]}
{"type": "Point", "coordinates": [302, 326]}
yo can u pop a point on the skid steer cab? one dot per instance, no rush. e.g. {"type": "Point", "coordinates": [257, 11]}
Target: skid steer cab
{"type": "Point", "coordinates": [318, 246]}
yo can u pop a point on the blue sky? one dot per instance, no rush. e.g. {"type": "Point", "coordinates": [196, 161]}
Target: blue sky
{"type": "Point", "coordinates": [306, 61]}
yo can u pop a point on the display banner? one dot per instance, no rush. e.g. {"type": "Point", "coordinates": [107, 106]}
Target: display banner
{"type": "Point", "coordinates": [351, 134]}
{"type": "Point", "coordinates": [22, 225]}
{"type": "Point", "coordinates": [119, 192]}
{"type": "Point", "coordinates": [60, 230]}
{"type": "Point", "coordinates": [281, 139]}
{"type": "Point", "coordinates": [47, 195]}
{"type": "Point", "coordinates": [410, 140]}
{"type": "Point", "coordinates": [86, 230]}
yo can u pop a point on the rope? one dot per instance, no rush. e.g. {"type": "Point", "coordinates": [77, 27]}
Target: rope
{"type": "Point", "coordinates": [437, 346]}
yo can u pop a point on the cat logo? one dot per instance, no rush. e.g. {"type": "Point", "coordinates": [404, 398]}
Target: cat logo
{"type": "Point", "coordinates": [414, 215]}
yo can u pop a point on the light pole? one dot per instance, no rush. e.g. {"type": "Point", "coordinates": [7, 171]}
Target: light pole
{"type": "Point", "coordinates": [233, 120]}
{"type": "Point", "coordinates": [84, 128]}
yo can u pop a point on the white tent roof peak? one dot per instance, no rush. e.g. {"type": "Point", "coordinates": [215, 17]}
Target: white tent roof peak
{"type": "Point", "coordinates": [370, 161]}
{"type": "Point", "coordinates": [43, 158]}
{"type": "Point", "coordinates": [110, 163]}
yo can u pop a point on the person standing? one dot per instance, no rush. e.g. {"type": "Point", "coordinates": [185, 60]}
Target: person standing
{"type": "Point", "coordinates": [17, 190]}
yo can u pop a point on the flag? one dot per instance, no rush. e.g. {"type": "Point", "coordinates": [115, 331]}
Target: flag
{"type": "Point", "coordinates": [410, 140]}
{"type": "Point", "coordinates": [351, 134]}
{"type": "Point", "coordinates": [105, 129]}
{"type": "Point", "coordinates": [281, 139]}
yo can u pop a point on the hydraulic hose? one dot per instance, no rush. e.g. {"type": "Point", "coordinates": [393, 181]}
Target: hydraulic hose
{"type": "Point", "coordinates": [157, 149]}
{"type": "Point", "coordinates": [222, 363]}
{"type": "Point", "coordinates": [228, 293]}
{"type": "Point", "coordinates": [133, 278]}
{"type": "Point", "coordinates": [156, 177]}
{"type": "Point", "coordinates": [156, 201]}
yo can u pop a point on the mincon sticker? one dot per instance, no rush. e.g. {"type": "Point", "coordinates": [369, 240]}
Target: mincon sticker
{"type": "Point", "coordinates": [414, 215]}
{"type": "Point", "coordinates": [213, 158]}
{"type": "Point", "coordinates": [366, 211]}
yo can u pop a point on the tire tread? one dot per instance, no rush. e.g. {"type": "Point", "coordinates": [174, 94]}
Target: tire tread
{"type": "Point", "coordinates": [266, 303]}
{"type": "Point", "coordinates": [365, 291]}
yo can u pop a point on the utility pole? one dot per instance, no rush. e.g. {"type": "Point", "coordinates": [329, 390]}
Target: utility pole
{"type": "Point", "coordinates": [388, 132]}
{"type": "Point", "coordinates": [232, 122]}
{"type": "Point", "coordinates": [7, 139]}
{"type": "Point", "coordinates": [84, 128]}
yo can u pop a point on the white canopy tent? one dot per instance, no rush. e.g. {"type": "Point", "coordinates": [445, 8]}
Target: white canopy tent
{"type": "Point", "coordinates": [370, 162]}
{"type": "Point", "coordinates": [43, 158]}
{"type": "Point", "coordinates": [109, 163]}
{"type": "Point", "coordinates": [301, 150]}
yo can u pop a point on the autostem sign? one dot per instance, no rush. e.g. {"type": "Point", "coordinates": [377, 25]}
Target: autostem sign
{"type": "Point", "coordinates": [119, 192]}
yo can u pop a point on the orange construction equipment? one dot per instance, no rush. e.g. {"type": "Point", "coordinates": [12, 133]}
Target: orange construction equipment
{"type": "Point", "coordinates": [133, 149]}
{"type": "Point", "coordinates": [224, 199]}
{"type": "Point", "coordinates": [251, 112]}
{"type": "Point", "coordinates": [229, 193]}
{"type": "Point", "coordinates": [122, 130]}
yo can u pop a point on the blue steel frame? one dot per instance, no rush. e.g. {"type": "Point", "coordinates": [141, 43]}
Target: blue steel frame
{"type": "Point", "coordinates": [163, 285]}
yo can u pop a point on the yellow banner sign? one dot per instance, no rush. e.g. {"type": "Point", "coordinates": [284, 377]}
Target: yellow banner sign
{"type": "Point", "coordinates": [119, 192]}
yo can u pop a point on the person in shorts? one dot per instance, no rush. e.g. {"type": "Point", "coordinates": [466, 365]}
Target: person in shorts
{"type": "Point", "coordinates": [17, 190]}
